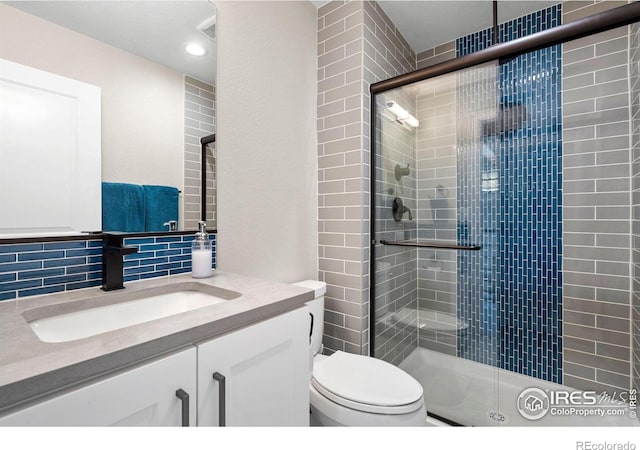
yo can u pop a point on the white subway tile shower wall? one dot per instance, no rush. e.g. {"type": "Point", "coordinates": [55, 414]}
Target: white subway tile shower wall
{"type": "Point", "coordinates": [596, 212]}
{"type": "Point", "coordinates": [436, 55]}
{"type": "Point", "coordinates": [396, 267]}
{"type": "Point", "coordinates": [357, 45]}
{"type": "Point", "coordinates": [437, 191]}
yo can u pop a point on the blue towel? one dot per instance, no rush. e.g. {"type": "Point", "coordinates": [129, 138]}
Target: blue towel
{"type": "Point", "coordinates": [161, 206]}
{"type": "Point", "coordinates": [122, 207]}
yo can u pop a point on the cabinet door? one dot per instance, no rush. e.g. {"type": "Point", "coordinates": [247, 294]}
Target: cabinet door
{"type": "Point", "coordinates": [262, 371]}
{"type": "Point", "coordinates": [142, 396]}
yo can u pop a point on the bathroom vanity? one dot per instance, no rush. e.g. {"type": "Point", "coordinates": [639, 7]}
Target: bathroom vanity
{"type": "Point", "coordinates": [228, 350]}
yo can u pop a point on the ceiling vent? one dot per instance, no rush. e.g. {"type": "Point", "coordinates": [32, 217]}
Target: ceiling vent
{"type": "Point", "coordinates": [208, 27]}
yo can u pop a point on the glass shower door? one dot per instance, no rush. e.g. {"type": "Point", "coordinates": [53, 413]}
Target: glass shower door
{"type": "Point", "coordinates": [436, 239]}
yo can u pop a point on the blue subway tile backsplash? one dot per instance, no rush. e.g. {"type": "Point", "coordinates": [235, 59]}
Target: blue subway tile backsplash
{"type": "Point", "coordinates": [40, 273]}
{"type": "Point", "coordinates": [161, 256]}
{"type": "Point", "coordinates": [57, 266]}
{"type": "Point", "coordinates": [7, 258]}
{"type": "Point", "coordinates": [64, 245]}
{"type": "Point", "coordinates": [7, 295]}
{"type": "Point", "coordinates": [7, 277]}
{"type": "Point", "coordinates": [30, 256]}
{"type": "Point", "coordinates": [20, 248]}
{"type": "Point", "coordinates": [510, 293]}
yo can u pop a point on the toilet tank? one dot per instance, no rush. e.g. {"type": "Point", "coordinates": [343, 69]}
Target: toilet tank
{"type": "Point", "coordinates": [316, 310]}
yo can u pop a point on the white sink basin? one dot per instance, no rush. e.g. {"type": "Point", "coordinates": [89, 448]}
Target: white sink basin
{"type": "Point", "coordinates": [128, 309]}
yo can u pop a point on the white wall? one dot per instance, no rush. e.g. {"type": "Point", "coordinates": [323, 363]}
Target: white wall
{"type": "Point", "coordinates": [266, 139]}
{"type": "Point", "coordinates": [142, 102]}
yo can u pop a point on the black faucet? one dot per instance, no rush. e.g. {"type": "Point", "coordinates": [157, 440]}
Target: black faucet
{"type": "Point", "coordinates": [112, 260]}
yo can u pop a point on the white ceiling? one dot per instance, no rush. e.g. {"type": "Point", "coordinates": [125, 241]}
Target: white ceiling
{"type": "Point", "coordinates": [156, 30]}
{"type": "Point", "coordinates": [426, 23]}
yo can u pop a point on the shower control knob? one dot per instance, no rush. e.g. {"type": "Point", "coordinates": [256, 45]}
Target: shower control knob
{"type": "Point", "coordinates": [398, 210]}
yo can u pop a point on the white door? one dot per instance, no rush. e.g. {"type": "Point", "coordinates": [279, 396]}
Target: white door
{"type": "Point", "coordinates": [49, 153]}
{"type": "Point", "coordinates": [262, 371]}
{"type": "Point", "coordinates": [147, 395]}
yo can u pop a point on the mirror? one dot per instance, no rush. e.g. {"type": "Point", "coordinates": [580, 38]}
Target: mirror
{"type": "Point", "coordinates": [156, 102]}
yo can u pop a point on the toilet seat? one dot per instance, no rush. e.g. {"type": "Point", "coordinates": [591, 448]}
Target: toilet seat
{"type": "Point", "coordinates": [366, 384]}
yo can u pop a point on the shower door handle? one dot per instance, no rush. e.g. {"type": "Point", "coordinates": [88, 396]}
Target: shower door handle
{"type": "Point", "coordinates": [436, 245]}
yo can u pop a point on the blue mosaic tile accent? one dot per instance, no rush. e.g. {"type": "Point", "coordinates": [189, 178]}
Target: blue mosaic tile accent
{"type": "Point", "coordinates": [510, 293]}
{"type": "Point", "coordinates": [161, 256]}
{"type": "Point", "coordinates": [48, 267]}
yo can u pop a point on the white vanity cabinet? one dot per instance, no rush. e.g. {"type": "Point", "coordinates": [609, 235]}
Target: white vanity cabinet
{"type": "Point", "coordinates": [261, 373]}
{"type": "Point", "coordinates": [258, 375]}
{"type": "Point", "coordinates": [147, 395]}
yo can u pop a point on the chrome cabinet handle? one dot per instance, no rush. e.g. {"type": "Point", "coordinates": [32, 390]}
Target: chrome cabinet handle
{"type": "Point", "coordinates": [222, 382]}
{"type": "Point", "coordinates": [184, 398]}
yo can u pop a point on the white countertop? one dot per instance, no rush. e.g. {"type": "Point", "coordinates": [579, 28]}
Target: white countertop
{"type": "Point", "coordinates": [30, 368]}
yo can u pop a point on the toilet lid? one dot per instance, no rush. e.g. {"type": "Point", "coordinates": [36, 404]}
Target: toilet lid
{"type": "Point", "coordinates": [366, 384]}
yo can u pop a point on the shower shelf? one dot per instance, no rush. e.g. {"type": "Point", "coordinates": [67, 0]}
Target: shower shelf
{"type": "Point", "coordinates": [440, 245]}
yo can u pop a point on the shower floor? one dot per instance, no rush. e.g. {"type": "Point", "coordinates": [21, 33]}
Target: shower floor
{"type": "Point", "coordinates": [474, 394]}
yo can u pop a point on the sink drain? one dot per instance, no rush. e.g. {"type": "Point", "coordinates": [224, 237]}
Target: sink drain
{"type": "Point", "coordinates": [498, 417]}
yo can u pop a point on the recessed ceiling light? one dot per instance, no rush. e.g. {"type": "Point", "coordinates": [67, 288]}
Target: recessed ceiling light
{"type": "Point", "coordinates": [195, 49]}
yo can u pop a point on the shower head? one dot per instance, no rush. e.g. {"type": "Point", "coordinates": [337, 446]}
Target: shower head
{"type": "Point", "coordinates": [509, 118]}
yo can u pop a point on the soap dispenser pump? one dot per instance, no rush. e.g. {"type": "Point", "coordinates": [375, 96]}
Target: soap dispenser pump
{"type": "Point", "coordinates": [201, 255]}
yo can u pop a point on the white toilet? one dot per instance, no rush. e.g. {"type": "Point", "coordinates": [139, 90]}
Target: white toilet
{"type": "Point", "coordinates": [355, 390]}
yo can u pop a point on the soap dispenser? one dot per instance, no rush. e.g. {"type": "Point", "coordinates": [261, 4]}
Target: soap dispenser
{"type": "Point", "coordinates": [201, 255]}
